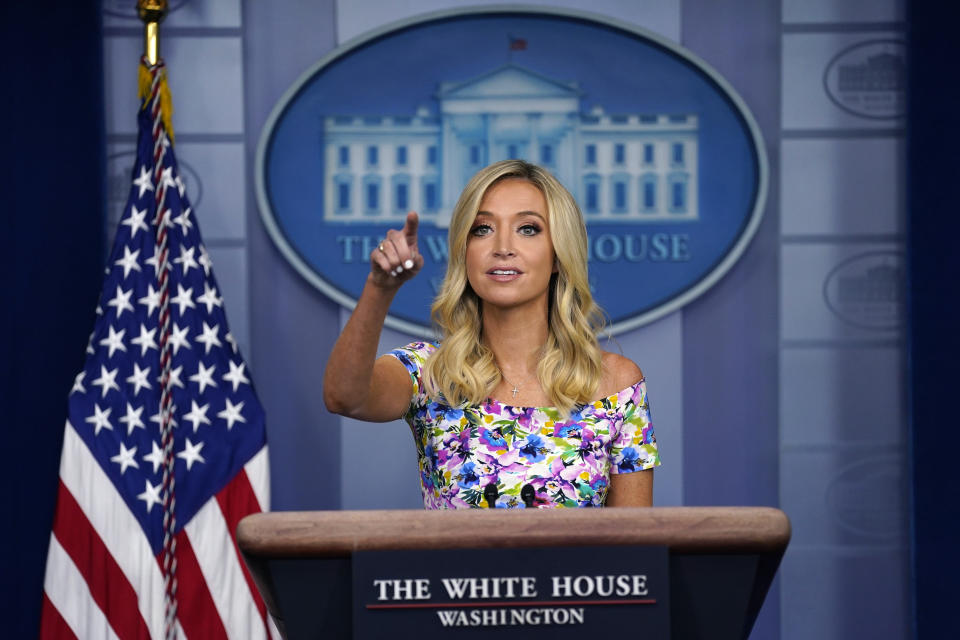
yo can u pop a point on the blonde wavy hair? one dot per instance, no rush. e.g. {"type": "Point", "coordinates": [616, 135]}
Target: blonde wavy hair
{"type": "Point", "coordinates": [463, 370]}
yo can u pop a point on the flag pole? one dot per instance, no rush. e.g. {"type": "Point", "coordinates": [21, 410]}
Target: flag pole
{"type": "Point", "coordinates": [152, 13]}
{"type": "Point", "coordinates": [156, 98]}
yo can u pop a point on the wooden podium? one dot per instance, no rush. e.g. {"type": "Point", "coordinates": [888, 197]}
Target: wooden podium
{"type": "Point", "coordinates": [721, 559]}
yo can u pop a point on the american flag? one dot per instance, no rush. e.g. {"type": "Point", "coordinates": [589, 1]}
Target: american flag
{"type": "Point", "coordinates": [104, 575]}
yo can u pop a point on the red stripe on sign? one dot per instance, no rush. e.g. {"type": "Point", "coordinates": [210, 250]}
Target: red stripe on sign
{"type": "Point", "coordinates": [237, 500]}
{"type": "Point", "coordinates": [109, 586]}
{"type": "Point", "coordinates": [196, 610]}
{"type": "Point", "coordinates": [509, 603]}
{"type": "Point", "coordinates": [52, 624]}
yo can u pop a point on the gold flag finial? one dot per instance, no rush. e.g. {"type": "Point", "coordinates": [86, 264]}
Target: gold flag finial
{"type": "Point", "coordinates": [152, 12]}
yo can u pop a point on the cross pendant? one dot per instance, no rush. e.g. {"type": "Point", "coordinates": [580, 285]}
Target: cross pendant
{"type": "Point", "coordinates": [516, 390]}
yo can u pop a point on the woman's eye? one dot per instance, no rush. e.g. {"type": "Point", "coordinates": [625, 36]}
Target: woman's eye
{"type": "Point", "coordinates": [481, 230]}
{"type": "Point", "coordinates": [529, 230]}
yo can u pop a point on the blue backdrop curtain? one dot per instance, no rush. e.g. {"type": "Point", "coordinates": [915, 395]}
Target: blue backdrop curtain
{"type": "Point", "coordinates": [934, 267]}
{"type": "Point", "coordinates": [53, 170]}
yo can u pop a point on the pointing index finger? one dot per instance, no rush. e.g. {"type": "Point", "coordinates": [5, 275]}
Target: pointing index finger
{"type": "Point", "coordinates": [410, 228]}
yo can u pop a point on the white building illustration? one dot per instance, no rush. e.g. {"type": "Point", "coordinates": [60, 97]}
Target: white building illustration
{"type": "Point", "coordinates": [627, 168]}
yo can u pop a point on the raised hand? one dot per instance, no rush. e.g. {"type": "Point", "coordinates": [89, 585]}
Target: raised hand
{"type": "Point", "coordinates": [397, 258]}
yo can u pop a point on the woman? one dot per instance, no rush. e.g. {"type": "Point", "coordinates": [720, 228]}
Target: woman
{"type": "Point", "coordinates": [504, 409]}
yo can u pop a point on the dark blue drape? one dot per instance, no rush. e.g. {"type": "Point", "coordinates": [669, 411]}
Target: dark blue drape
{"type": "Point", "coordinates": [53, 170]}
{"type": "Point", "coordinates": [934, 348]}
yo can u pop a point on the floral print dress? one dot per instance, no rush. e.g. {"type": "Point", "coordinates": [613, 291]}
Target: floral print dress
{"type": "Point", "coordinates": [567, 462]}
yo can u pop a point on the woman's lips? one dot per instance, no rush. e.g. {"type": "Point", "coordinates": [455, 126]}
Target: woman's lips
{"type": "Point", "coordinates": [503, 275]}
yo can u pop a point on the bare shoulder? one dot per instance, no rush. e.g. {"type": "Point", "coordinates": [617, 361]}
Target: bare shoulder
{"type": "Point", "coordinates": [619, 372]}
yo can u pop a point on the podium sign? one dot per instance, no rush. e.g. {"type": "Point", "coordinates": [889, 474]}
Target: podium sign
{"type": "Point", "coordinates": [338, 575]}
{"type": "Point", "coordinates": [527, 593]}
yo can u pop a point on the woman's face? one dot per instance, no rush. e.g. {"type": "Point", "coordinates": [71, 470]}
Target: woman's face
{"type": "Point", "coordinates": [510, 255]}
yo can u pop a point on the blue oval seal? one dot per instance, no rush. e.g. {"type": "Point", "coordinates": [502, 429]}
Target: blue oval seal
{"type": "Point", "coordinates": [869, 79]}
{"type": "Point", "coordinates": [867, 290]}
{"type": "Point", "coordinates": [664, 158]}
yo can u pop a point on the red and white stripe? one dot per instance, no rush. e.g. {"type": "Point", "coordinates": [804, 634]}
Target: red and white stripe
{"type": "Point", "coordinates": [104, 581]}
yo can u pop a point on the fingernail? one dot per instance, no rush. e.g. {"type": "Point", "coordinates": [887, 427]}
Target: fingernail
{"type": "Point", "coordinates": [408, 264]}
{"type": "Point", "coordinates": [399, 269]}
{"type": "Point", "coordinates": [393, 273]}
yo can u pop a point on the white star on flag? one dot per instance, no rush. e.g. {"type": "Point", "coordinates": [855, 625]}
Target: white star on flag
{"type": "Point", "coordinates": [114, 341]}
{"type": "Point", "coordinates": [139, 378]}
{"type": "Point", "coordinates": [205, 261]}
{"type": "Point", "coordinates": [204, 377]}
{"type": "Point", "coordinates": [106, 381]}
{"type": "Point", "coordinates": [128, 261]}
{"type": "Point", "coordinates": [191, 453]}
{"type": "Point", "coordinates": [150, 495]}
{"type": "Point", "coordinates": [197, 415]}
{"type": "Point", "coordinates": [144, 181]}
{"type": "Point", "coordinates": [78, 383]}
{"type": "Point", "coordinates": [132, 419]}
{"type": "Point", "coordinates": [136, 221]}
{"type": "Point", "coordinates": [210, 298]}
{"type": "Point", "coordinates": [178, 338]}
{"type": "Point", "coordinates": [166, 178]}
{"type": "Point", "coordinates": [181, 189]}
{"type": "Point", "coordinates": [231, 413]}
{"type": "Point", "coordinates": [209, 337]}
{"type": "Point", "coordinates": [155, 457]}
{"type": "Point", "coordinates": [175, 377]}
{"type": "Point", "coordinates": [186, 259]}
{"type": "Point", "coordinates": [145, 340]}
{"type": "Point", "coordinates": [152, 299]}
{"type": "Point", "coordinates": [184, 221]}
{"type": "Point", "coordinates": [100, 419]}
{"type": "Point", "coordinates": [125, 458]}
{"type": "Point", "coordinates": [183, 299]}
{"type": "Point", "coordinates": [235, 376]}
{"type": "Point", "coordinates": [121, 301]}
